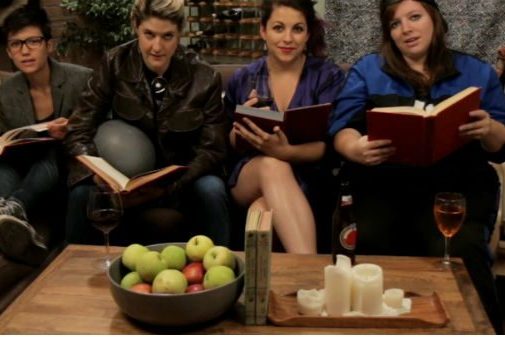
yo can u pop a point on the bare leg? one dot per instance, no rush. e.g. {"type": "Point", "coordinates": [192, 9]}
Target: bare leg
{"type": "Point", "coordinates": [269, 183]}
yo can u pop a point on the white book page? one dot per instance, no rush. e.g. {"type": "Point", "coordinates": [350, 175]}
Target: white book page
{"type": "Point", "coordinates": [11, 134]}
{"type": "Point", "coordinates": [108, 169]}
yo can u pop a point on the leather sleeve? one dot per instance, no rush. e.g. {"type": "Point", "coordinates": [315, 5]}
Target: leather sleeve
{"type": "Point", "coordinates": [89, 112]}
{"type": "Point", "coordinates": [211, 150]}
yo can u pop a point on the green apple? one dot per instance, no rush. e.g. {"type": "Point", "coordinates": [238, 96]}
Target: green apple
{"type": "Point", "coordinates": [197, 246]}
{"type": "Point", "coordinates": [218, 276]}
{"type": "Point", "coordinates": [131, 255]}
{"type": "Point", "coordinates": [170, 281]}
{"type": "Point", "coordinates": [219, 256]}
{"type": "Point", "coordinates": [174, 256]}
{"type": "Point", "coordinates": [131, 279]}
{"type": "Point", "coordinates": [150, 264]}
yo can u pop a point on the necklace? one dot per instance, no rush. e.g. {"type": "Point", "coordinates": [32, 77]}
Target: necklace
{"type": "Point", "coordinates": [159, 85]}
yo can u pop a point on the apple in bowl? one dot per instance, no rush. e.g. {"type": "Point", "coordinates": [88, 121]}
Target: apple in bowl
{"type": "Point", "coordinates": [193, 305]}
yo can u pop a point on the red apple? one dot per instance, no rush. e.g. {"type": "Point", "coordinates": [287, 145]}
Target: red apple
{"type": "Point", "coordinates": [194, 272]}
{"type": "Point", "coordinates": [193, 288]}
{"type": "Point", "coordinates": [142, 288]}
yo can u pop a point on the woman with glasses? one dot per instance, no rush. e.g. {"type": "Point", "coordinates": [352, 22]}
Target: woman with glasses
{"type": "Point", "coordinates": [43, 90]}
{"type": "Point", "coordinates": [280, 174]}
{"type": "Point", "coordinates": [393, 202]}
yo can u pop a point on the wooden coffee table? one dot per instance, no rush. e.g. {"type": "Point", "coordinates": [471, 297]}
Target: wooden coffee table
{"type": "Point", "coordinates": [71, 297]}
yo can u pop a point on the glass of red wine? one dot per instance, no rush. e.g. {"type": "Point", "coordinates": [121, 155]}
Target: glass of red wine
{"type": "Point", "coordinates": [104, 210]}
{"type": "Point", "coordinates": [449, 210]}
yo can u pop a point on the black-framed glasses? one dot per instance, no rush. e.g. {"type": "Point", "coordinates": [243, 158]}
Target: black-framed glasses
{"type": "Point", "coordinates": [32, 42]}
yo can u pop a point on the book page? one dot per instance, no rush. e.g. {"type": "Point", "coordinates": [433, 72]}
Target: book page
{"type": "Point", "coordinates": [407, 110]}
{"type": "Point", "coordinates": [453, 99]}
{"type": "Point", "coordinates": [147, 177]}
{"type": "Point", "coordinates": [13, 133]}
{"type": "Point", "coordinates": [103, 167]}
{"type": "Point", "coordinates": [260, 113]}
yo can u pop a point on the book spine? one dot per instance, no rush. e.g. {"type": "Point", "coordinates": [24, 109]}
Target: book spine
{"type": "Point", "coordinates": [250, 277]}
{"type": "Point", "coordinates": [263, 253]}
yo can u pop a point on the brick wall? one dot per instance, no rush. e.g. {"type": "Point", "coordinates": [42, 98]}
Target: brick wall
{"type": "Point", "coordinates": [57, 15]}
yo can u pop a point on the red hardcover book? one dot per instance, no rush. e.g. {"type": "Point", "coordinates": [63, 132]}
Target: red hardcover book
{"type": "Point", "coordinates": [422, 138]}
{"type": "Point", "coordinates": [301, 125]}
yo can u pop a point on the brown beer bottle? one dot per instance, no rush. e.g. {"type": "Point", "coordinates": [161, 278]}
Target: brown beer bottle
{"type": "Point", "coordinates": [344, 231]}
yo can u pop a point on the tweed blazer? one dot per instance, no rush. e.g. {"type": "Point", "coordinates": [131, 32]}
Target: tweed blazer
{"type": "Point", "coordinates": [16, 107]}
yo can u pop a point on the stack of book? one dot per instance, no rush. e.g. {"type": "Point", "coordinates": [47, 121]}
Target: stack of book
{"type": "Point", "coordinates": [258, 250]}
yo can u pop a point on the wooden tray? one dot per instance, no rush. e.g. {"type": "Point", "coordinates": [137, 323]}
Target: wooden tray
{"type": "Point", "coordinates": [427, 312]}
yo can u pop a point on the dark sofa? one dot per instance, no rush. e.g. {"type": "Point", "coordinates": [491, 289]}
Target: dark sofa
{"type": "Point", "coordinates": [15, 277]}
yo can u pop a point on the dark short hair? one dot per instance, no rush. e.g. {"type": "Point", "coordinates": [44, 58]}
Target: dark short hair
{"type": "Point", "coordinates": [26, 16]}
{"type": "Point", "coordinates": [316, 45]}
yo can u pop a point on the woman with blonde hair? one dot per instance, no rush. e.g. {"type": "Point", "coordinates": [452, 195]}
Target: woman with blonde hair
{"type": "Point", "coordinates": [156, 85]}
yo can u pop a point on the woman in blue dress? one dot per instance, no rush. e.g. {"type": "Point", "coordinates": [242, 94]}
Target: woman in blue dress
{"type": "Point", "coordinates": [294, 73]}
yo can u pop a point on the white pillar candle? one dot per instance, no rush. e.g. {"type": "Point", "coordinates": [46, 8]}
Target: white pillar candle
{"type": "Point", "coordinates": [310, 302]}
{"type": "Point", "coordinates": [367, 289]}
{"type": "Point", "coordinates": [337, 286]}
{"type": "Point", "coordinates": [394, 298]}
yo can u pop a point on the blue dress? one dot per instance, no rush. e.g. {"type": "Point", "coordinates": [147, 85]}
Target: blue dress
{"type": "Point", "coordinates": [320, 82]}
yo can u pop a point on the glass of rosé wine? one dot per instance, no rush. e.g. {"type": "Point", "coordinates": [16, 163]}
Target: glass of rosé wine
{"type": "Point", "coordinates": [449, 210]}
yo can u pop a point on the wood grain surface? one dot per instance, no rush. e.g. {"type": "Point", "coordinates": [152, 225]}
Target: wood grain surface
{"type": "Point", "coordinates": [72, 297]}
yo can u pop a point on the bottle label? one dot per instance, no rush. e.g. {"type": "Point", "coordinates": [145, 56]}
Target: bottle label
{"type": "Point", "coordinates": [348, 237]}
{"type": "Point", "coordinates": [346, 200]}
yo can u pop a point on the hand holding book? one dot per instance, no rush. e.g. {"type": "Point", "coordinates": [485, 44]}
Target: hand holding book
{"type": "Point", "coordinates": [422, 138]}
{"type": "Point", "coordinates": [35, 134]}
{"type": "Point", "coordinates": [57, 128]}
{"type": "Point", "coordinates": [479, 127]}
{"type": "Point", "coordinates": [270, 143]}
{"type": "Point", "coordinates": [125, 185]}
{"type": "Point", "coordinates": [299, 125]}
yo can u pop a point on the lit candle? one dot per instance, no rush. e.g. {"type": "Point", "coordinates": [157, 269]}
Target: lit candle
{"type": "Point", "coordinates": [394, 298]}
{"type": "Point", "coordinates": [337, 286]}
{"type": "Point", "coordinates": [310, 302]}
{"type": "Point", "coordinates": [367, 289]}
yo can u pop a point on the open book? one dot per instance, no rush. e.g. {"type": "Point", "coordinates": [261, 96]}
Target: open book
{"type": "Point", "coordinates": [421, 137]}
{"type": "Point", "coordinates": [121, 183]}
{"type": "Point", "coordinates": [301, 125]}
{"type": "Point", "coordinates": [30, 134]}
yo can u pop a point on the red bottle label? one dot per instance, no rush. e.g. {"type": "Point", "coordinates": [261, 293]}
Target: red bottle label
{"type": "Point", "coordinates": [348, 237]}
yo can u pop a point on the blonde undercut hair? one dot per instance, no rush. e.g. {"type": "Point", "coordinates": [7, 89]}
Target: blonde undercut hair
{"type": "Point", "coordinates": [172, 10]}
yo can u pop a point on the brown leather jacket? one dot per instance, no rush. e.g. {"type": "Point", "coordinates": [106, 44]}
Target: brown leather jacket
{"type": "Point", "coordinates": [190, 124]}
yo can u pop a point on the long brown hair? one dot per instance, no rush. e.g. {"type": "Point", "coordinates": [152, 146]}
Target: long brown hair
{"type": "Point", "coordinates": [438, 61]}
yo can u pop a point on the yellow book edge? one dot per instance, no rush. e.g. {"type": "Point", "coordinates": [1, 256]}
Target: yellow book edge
{"type": "Point", "coordinates": [437, 109]}
{"type": "Point", "coordinates": [118, 181]}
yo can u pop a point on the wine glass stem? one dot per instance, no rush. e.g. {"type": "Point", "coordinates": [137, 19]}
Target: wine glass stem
{"type": "Point", "coordinates": [447, 259]}
{"type": "Point", "coordinates": [106, 237]}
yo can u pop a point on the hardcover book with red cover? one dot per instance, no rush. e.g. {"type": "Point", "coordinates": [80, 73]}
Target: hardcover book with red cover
{"type": "Point", "coordinates": [422, 138]}
{"type": "Point", "coordinates": [301, 125]}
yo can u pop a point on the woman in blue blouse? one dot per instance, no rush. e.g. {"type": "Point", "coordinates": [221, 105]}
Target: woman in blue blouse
{"type": "Point", "coordinates": [394, 203]}
{"type": "Point", "coordinates": [293, 74]}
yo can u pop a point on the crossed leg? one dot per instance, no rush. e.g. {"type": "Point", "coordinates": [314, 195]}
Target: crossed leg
{"type": "Point", "coordinates": [266, 182]}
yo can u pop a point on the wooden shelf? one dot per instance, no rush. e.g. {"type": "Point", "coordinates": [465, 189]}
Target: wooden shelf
{"type": "Point", "coordinates": [225, 28]}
